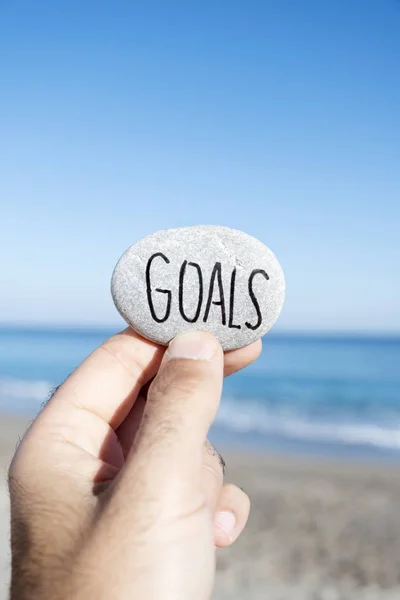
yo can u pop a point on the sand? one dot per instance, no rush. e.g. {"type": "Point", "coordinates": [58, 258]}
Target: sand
{"type": "Point", "coordinates": [319, 529]}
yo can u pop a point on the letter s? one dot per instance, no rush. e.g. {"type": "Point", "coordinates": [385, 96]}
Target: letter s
{"type": "Point", "coordinates": [254, 299]}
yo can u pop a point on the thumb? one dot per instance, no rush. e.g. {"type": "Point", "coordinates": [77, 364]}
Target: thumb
{"type": "Point", "coordinates": [181, 404]}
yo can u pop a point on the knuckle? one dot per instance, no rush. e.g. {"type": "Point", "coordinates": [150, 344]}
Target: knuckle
{"type": "Point", "coordinates": [16, 487]}
{"type": "Point", "coordinates": [15, 472]}
{"type": "Point", "coordinates": [24, 489]}
{"type": "Point", "coordinates": [214, 459]}
{"type": "Point", "coordinates": [123, 350]}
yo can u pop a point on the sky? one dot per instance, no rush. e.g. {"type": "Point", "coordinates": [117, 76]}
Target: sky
{"type": "Point", "coordinates": [280, 118]}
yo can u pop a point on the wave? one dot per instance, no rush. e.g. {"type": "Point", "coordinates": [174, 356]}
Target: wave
{"type": "Point", "coordinates": [25, 391]}
{"type": "Point", "coordinates": [248, 416]}
{"type": "Point", "coordinates": [252, 417]}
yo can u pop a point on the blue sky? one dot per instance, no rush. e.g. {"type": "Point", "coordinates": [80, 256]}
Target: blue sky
{"type": "Point", "coordinates": [281, 118]}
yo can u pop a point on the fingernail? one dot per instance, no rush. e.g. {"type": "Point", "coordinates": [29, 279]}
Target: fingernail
{"type": "Point", "coordinates": [226, 521]}
{"type": "Point", "coordinates": [196, 345]}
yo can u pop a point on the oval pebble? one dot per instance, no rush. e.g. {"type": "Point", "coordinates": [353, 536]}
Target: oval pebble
{"type": "Point", "coordinates": [203, 277]}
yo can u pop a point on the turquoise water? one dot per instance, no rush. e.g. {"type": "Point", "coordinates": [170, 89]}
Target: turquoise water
{"type": "Point", "coordinates": [322, 394]}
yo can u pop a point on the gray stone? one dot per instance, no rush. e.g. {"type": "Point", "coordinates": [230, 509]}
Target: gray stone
{"type": "Point", "coordinates": [203, 277]}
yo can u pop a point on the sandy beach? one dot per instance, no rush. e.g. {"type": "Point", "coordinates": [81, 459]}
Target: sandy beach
{"type": "Point", "coordinates": [319, 529]}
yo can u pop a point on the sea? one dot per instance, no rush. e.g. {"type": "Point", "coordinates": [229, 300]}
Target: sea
{"type": "Point", "coordinates": [331, 395]}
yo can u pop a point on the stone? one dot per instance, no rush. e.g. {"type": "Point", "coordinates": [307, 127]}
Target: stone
{"type": "Point", "coordinates": [202, 277]}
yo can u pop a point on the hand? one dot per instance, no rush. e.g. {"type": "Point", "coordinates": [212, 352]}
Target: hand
{"type": "Point", "coordinates": [115, 493]}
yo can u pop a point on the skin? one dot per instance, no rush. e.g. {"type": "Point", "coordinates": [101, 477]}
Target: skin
{"type": "Point", "coordinates": [115, 491]}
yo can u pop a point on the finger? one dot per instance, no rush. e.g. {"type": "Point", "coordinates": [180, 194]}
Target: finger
{"type": "Point", "coordinates": [181, 404]}
{"type": "Point", "coordinates": [212, 475]}
{"type": "Point", "coordinates": [99, 394]}
{"type": "Point", "coordinates": [109, 380]}
{"type": "Point", "coordinates": [238, 359]}
{"type": "Point", "coordinates": [126, 432]}
{"type": "Point", "coordinates": [231, 515]}
{"type": "Point", "coordinates": [233, 361]}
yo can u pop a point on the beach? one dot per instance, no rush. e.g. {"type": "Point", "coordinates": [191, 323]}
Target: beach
{"type": "Point", "coordinates": [320, 529]}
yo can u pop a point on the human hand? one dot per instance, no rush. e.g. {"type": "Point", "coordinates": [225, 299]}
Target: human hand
{"type": "Point", "coordinates": [115, 492]}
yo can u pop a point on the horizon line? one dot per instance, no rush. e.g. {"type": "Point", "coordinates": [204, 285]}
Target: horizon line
{"type": "Point", "coordinates": [93, 329]}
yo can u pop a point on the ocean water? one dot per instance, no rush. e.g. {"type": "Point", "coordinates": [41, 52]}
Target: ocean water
{"type": "Point", "coordinates": [327, 395]}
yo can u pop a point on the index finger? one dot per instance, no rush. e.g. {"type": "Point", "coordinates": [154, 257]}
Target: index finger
{"type": "Point", "coordinates": [108, 381]}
